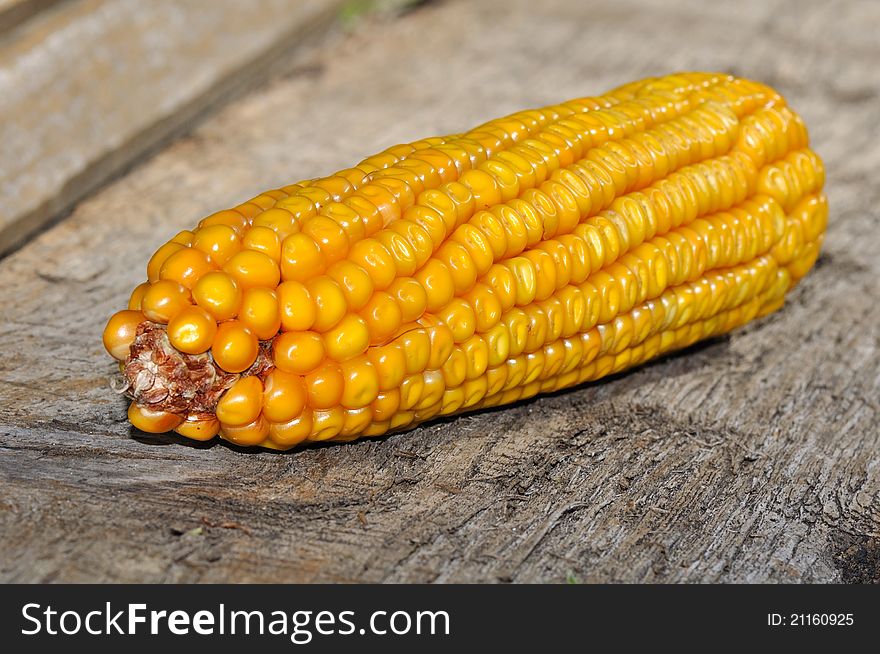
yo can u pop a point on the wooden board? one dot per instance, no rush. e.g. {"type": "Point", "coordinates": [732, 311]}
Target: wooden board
{"type": "Point", "coordinates": [92, 85]}
{"type": "Point", "coordinates": [749, 458]}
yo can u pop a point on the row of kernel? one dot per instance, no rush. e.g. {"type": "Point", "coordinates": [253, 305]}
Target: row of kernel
{"type": "Point", "coordinates": [715, 187]}
{"type": "Point", "coordinates": [703, 296]}
{"type": "Point", "coordinates": [248, 411]}
{"type": "Point", "coordinates": [651, 347]}
{"type": "Point", "coordinates": [394, 181]}
{"type": "Point", "coordinates": [429, 234]}
{"type": "Point", "coordinates": [770, 133]}
{"type": "Point", "coordinates": [600, 240]}
{"type": "Point", "coordinates": [574, 312]}
{"type": "Point", "coordinates": [714, 184]}
{"type": "Point", "coordinates": [522, 281]}
{"type": "Point", "coordinates": [574, 353]}
{"type": "Point", "coordinates": [521, 165]}
{"type": "Point", "coordinates": [520, 376]}
{"type": "Point", "coordinates": [666, 261]}
{"type": "Point", "coordinates": [709, 196]}
{"type": "Point", "coordinates": [458, 260]}
{"type": "Point", "coordinates": [799, 173]}
{"type": "Point", "coordinates": [482, 174]}
{"type": "Point", "coordinates": [571, 354]}
{"type": "Point", "coordinates": [471, 362]}
{"type": "Point", "coordinates": [804, 232]}
{"type": "Point", "coordinates": [742, 96]}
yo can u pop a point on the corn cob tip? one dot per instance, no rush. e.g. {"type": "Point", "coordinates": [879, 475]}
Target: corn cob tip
{"type": "Point", "coordinates": [161, 378]}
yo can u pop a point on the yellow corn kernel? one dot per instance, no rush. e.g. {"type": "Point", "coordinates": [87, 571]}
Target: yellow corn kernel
{"type": "Point", "coordinates": [159, 258]}
{"type": "Point", "coordinates": [298, 352]}
{"type": "Point", "coordinates": [382, 317]}
{"type": "Point", "coordinates": [253, 269]}
{"type": "Point", "coordinates": [331, 239]}
{"type": "Point", "coordinates": [185, 266]}
{"type": "Point", "coordinates": [228, 217]}
{"type": "Point", "coordinates": [329, 302]}
{"type": "Point", "coordinates": [263, 239]}
{"type": "Point", "coordinates": [354, 281]}
{"type": "Point", "coordinates": [361, 383]}
{"type": "Point", "coordinates": [411, 297]}
{"type": "Point", "coordinates": [284, 396]}
{"type": "Point", "coordinates": [348, 339]}
{"type": "Point", "coordinates": [154, 422]}
{"type": "Point", "coordinates": [137, 296]}
{"type": "Point", "coordinates": [327, 423]}
{"type": "Point", "coordinates": [164, 299]}
{"type": "Point", "coordinates": [218, 294]}
{"type": "Point", "coordinates": [279, 220]}
{"type": "Point", "coordinates": [376, 260]}
{"type": "Point", "coordinates": [253, 433]}
{"type": "Point", "coordinates": [301, 258]}
{"type": "Point", "coordinates": [192, 330]}
{"type": "Point", "coordinates": [235, 346]}
{"type": "Point", "coordinates": [259, 312]}
{"type": "Point", "coordinates": [218, 241]}
{"type": "Point", "coordinates": [120, 333]}
{"type": "Point", "coordinates": [297, 309]}
{"type": "Point", "coordinates": [242, 403]}
{"type": "Point", "coordinates": [199, 428]}
{"type": "Point", "coordinates": [290, 433]}
{"type": "Point", "coordinates": [325, 386]}
{"type": "Point", "coordinates": [389, 362]}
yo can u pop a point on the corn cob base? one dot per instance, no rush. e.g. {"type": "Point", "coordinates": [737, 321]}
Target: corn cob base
{"type": "Point", "coordinates": [534, 253]}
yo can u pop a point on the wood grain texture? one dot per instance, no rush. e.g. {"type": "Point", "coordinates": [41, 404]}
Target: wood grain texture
{"type": "Point", "coordinates": [749, 458]}
{"type": "Point", "coordinates": [15, 12]}
{"type": "Point", "coordinates": [87, 88]}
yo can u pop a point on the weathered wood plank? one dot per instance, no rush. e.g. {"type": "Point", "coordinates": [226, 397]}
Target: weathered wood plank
{"type": "Point", "coordinates": [15, 12]}
{"type": "Point", "coordinates": [88, 88]}
{"type": "Point", "coordinates": [751, 458]}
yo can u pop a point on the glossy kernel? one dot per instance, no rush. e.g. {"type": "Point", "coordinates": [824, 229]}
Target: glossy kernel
{"type": "Point", "coordinates": [218, 294]}
{"type": "Point", "coordinates": [199, 427]}
{"type": "Point", "coordinates": [241, 403]}
{"type": "Point", "coordinates": [325, 386]}
{"type": "Point", "coordinates": [361, 383]}
{"type": "Point", "coordinates": [263, 239]}
{"type": "Point", "coordinates": [186, 267]}
{"type": "Point", "coordinates": [192, 330]}
{"type": "Point", "coordinates": [235, 346]}
{"type": "Point", "coordinates": [137, 296]}
{"type": "Point", "coordinates": [297, 309]}
{"type": "Point", "coordinates": [284, 396]}
{"type": "Point", "coordinates": [329, 301]}
{"type": "Point", "coordinates": [159, 258]}
{"type": "Point", "coordinates": [218, 241]}
{"type": "Point", "coordinates": [298, 352]}
{"type": "Point", "coordinates": [382, 316]}
{"type": "Point", "coordinates": [120, 333]}
{"type": "Point", "coordinates": [154, 422]}
{"type": "Point", "coordinates": [259, 312]}
{"type": "Point", "coordinates": [301, 258]}
{"type": "Point", "coordinates": [164, 299]}
{"type": "Point", "coordinates": [252, 269]}
{"type": "Point", "coordinates": [349, 338]}
{"type": "Point", "coordinates": [354, 281]}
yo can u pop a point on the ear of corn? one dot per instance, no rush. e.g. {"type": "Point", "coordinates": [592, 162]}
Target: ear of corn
{"type": "Point", "coordinates": [533, 253]}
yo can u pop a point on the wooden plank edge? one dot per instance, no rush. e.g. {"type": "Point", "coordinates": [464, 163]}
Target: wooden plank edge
{"type": "Point", "coordinates": [273, 61]}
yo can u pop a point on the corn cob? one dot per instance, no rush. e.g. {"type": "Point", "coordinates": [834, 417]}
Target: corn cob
{"type": "Point", "coordinates": [533, 253]}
